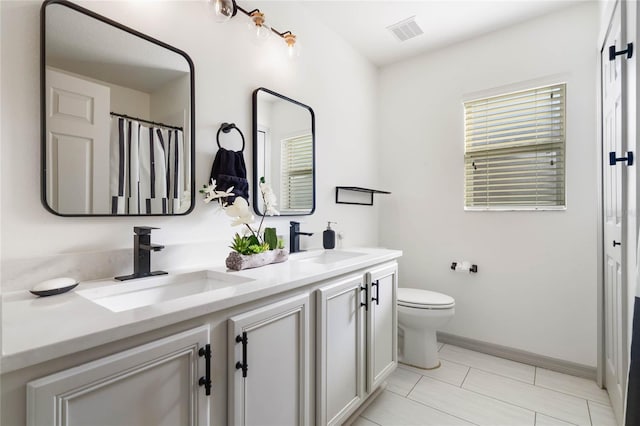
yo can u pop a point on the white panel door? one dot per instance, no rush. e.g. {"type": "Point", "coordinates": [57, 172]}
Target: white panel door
{"type": "Point", "coordinates": [268, 373]}
{"type": "Point", "coordinates": [614, 222]}
{"type": "Point", "coordinates": [340, 349]}
{"type": "Point", "coordinates": [153, 384]}
{"type": "Point", "coordinates": [382, 325]}
{"type": "Point", "coordinates": [77, 160]}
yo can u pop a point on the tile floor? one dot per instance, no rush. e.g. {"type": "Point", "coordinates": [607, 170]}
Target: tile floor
{"type": "Point", "coordinates": [472, 388]}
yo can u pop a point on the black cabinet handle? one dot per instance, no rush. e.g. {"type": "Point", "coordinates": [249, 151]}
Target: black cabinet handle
{"type": "Point", "coordinates": [616, 243]}
{"type": "Point", "coordinates": [613, 53]}
{"type": "Point", "coordinates": [206, 380]}
{"type": "Point", "coordinates": [613, 159]}
{"type": "Point", "coordinates": [243, 365]}
{"type": "Point", "coordinates": [376, 284]}
{"type": "Point", "coordinates": [366, 298]}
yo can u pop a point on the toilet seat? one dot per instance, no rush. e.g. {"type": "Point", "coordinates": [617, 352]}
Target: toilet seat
{"type": "Point", "coordinates": [424, 299]}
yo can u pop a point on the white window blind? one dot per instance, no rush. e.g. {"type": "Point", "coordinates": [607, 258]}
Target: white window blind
{"type": "Point", "coordinates": [515, 150]}
{"type": "Point", "coordinates": [297, 173]}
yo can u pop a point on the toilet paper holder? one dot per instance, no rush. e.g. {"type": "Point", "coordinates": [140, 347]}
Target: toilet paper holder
{"type": "Point", "coordinates": [473, 268]}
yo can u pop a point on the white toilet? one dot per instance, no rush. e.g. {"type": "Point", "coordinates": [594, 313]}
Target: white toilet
{"type": "Point", "coordinates": [420, 314]}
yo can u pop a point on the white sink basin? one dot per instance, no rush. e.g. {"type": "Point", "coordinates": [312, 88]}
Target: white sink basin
{"type": "Point", "coordinates": [327, 256]}
{"type": "Point", "coordinates": [137, 293]}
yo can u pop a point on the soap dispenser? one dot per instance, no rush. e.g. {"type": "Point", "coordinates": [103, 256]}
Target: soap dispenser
{"type": "Point", "coordinates": [329, 237]}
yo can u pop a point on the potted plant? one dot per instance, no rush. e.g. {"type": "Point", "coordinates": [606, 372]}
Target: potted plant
{"type": "Point", "coordinates": [255, 247]}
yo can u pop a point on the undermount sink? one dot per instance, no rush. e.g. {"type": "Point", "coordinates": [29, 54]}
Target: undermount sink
{"type": "Point", "coordinates": [327, 256]}
{"type": "Point", "coordinates": [149, 291]}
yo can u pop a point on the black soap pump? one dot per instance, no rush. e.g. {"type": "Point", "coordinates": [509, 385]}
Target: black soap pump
{"type": "Point", "coordinates": [329, 237]}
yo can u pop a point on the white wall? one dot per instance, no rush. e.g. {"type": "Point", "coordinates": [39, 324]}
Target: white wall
{"type": "Point", "coordinates": [228, 67]}
{"type": "Point", "coordinates": [536, 287]}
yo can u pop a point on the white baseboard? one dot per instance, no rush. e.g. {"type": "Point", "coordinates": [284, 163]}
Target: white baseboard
{"type": "Point", "coordinates": [561, 366]}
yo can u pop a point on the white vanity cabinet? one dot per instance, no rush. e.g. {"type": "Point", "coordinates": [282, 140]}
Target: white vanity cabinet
{"type": "Point", "coordinates": [382, 324]}
{"type": "Point", "coordinates": [297, 343]}
{"type": "Point", "coordinates": [269, 364]}
{"type": "Point", "coordinates": [340, 355]}
{"type": "Point", "coordinates": [152, 384]}
{"type": "Point", "coordinates": [356, 340]}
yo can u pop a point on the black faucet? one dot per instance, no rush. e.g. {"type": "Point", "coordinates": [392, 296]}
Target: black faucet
{"type": "Point", "coordinates": [294, 236]}
{"type": "Point", "coordinates": [142, 249]}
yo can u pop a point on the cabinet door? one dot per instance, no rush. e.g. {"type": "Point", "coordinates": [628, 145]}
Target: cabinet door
{"type": "Point", "coordinates": [340, 343]}
{"type": "Point", "coordinates": [382, 325]}
{"type": "Point", "coordinates": [152, 384]}
{"type": "Point", "coordinates": [269, 364]}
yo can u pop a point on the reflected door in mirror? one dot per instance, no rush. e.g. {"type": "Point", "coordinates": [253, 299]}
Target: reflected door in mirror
{"type": "Point", "coordinates": [77, 144]}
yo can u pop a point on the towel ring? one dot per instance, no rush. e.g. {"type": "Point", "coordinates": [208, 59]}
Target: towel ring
{"type": "Point", "coordinates": [226, 128]}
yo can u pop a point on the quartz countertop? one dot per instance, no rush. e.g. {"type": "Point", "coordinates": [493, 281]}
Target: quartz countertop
{"type": "Point", "coordinates": [35, 329]}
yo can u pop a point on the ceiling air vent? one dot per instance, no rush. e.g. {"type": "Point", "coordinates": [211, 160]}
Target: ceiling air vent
{"type": "Point", "coordinates": [406, 29]}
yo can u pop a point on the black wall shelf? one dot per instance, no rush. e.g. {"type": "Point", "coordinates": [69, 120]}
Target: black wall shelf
{"type": "Point", "coordinates": [357, 189]}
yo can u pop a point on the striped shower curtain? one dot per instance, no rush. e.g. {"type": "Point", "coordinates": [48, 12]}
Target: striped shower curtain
{"type": "Point", "coordinates": [147, 170]}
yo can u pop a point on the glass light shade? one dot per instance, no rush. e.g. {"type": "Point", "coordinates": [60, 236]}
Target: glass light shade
{"type": "Point", "coordinates": [263, 33]}
{"type": "Point", "coordinates": [293, 46]}
{"type": "Point", "coordinates": [223, 9]}
{"type": "Point", "coordinates": [257, 25]}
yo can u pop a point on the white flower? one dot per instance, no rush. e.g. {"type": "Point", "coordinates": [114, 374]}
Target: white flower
{"type": "Point", "coordinates": [211, 193]}
{"type": "Point", "coordinates": [239, 210]}
{"type": "Point", "coordinates": [269, 199]}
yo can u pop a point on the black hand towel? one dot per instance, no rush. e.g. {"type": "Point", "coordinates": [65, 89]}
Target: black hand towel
{"type": "Point", "coordinates": [229, 170]}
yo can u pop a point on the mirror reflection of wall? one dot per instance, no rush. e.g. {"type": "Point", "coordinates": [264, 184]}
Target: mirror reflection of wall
{"type": "Point", "coordinates": [118, 119]}
{"type": "Point", "coordinates": [284, 152]}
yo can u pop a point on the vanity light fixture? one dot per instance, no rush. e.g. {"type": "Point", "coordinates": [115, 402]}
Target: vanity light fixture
{"type": "Point", "coordinates": [227, 9]}
{"type": "Point", "coordinates": [258, 25]}
{"type": "Point", "coordinates": [293, 46]}
{"type": "Point", "coordinates": [224, 10]}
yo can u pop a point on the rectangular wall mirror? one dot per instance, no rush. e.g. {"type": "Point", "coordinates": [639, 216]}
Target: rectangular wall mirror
{"type": "Point", "coordinates": [117, 117]}
{"type": "Point", "coordinates": [284, 152]}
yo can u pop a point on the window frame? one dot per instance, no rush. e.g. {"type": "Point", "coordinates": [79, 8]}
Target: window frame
{"type": "Point", "coordinates": [285, 169]}
{"type": "Point", "coordinates": [506, 91]}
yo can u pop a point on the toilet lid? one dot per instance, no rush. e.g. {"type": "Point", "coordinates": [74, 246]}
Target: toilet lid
{"type": "Point", "coordinates": [418, 298]}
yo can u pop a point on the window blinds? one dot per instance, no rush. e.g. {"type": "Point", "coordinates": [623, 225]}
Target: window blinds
{"type": "Point", "coordinates": [515, 150]}
{"type": "Point", "coordinates": [297, 173]}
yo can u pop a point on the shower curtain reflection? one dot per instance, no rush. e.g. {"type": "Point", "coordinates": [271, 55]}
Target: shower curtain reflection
{"type": "Point", "coordinates": [147, 169]}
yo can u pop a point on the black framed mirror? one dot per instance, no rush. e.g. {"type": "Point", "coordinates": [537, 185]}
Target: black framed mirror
{"type": "Point", "coordinates": [284, 152]}
{"type": "Point", "coordinates": [117, 118]}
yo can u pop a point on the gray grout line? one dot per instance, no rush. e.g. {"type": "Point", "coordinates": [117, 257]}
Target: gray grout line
{"type": "Point", "coordinates": [519, 406]}
{"type": "Point", "coordinates": [468, 390]}
{"type": "Point", "coordinates": [571, 394]}
{"type": "Point", "coordinates": [439, 409]}
{"type": "Point", "coordinates": [399, 394]}
{"type": "Point", "coordinates": [368, 419]}
{"type": "Point", "coordinates": [414, 386]}
{"type": "Point", "coordinates": [535, 418]}
{"type": "Point", "coordinates": [589, 411]}
{"type": "Point", "coordinates": [507, 377]}
{"type": "Point", "coordinates": [498, 399]}
{"type": "Point", "coordinates": [491, 372]}
{"type": "Point", "coordinates": [465, 377]}
{"type": "Point", "coordinates": [558, 419]}
{"type": "Point", "coordinates": [430, 377]}
{"type": "Point", "coordinates": [522, 381]}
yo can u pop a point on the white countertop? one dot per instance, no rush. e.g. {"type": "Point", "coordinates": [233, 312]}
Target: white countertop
{"type": "Point", "coordinates": [36, 329]}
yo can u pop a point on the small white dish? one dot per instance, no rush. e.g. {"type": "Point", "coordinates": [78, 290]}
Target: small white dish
{"type": "Point", "coordinates": [54, 286]}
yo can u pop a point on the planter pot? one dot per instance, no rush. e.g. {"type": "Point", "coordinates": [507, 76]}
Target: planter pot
{"type": "Point", "coordinates": [237, 261]}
